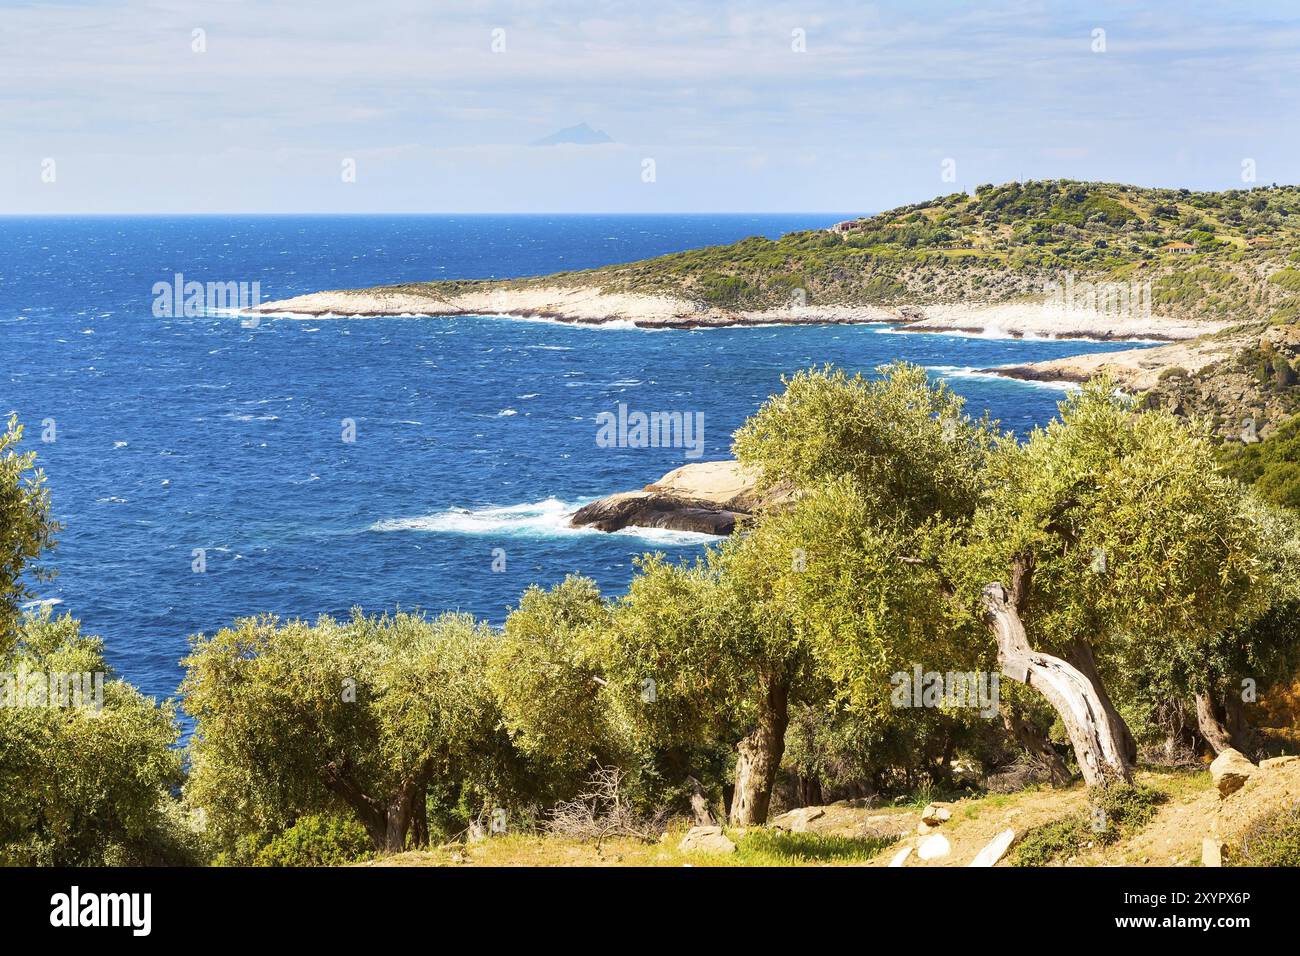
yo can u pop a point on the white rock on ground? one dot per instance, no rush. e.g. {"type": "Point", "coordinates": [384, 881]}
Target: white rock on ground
{"type": "Point", "coordinates": [706, 840]}
{"type": "Point", "coordinates": [796, 821]}
{"type": "Point", "coordinates": [934, 847]}
{"type": "Point", "coordinates": [1230, 771]}
{"type": "Point", "coordinates": [901, 856]}
{"type": "Point", "coordinates": [996, 849]}
{"type": "Point", "coordinates": [935, 815]}
{"type": "Point", "coordinates": [1211, 851]}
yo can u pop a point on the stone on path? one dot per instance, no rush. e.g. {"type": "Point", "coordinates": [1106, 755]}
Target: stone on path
{"type": "Point", "coordinates": [1230, 771]}
{"type": "Point", "coordinates": [901, 856]}
{"type": "Point", "coordinates": [707, 840]}
{"type": "Point", "coordinates": [934, 847]}
{"type": "Point", "coordinates": [935, 815]}
{"type": "Point", "coordinates": [996, 849]}
{"type": "Point", "coordinates": [1211, 852]}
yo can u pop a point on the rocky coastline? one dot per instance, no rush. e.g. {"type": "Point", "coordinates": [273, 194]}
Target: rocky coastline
{"type": "Point", "coordinates": [591, 305]}
{"type": "Point", "coordinates": [710, 497]}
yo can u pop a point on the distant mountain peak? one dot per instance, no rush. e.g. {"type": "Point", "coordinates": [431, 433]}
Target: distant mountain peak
{"type": "Point", "coordinates": [580, 135]}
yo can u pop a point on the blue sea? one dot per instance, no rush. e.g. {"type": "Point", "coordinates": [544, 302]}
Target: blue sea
{"type": "Point", "coordinates": [184, 443]}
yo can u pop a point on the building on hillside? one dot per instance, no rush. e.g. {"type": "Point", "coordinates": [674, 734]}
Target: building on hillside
{"type": "Point", "coordinates": [1180, 247]}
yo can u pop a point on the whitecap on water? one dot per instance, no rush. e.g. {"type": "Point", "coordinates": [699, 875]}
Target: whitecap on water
{"type": "Point", "coordinates": [956, 371]}
{"type": "Point", "coordinates": [548, 518]}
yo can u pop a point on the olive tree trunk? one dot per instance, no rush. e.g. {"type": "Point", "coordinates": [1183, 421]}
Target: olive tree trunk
{"type": "Point", "coordinates": [1082, 658]}
{"type": "Point", "coordinates": [1097, 743]}
{"type": "Point", "coordinates": [1243, 734]}
{"type": "Point", "coordinates": [386, 820]}
{"type": "Point", "coordinates": [758, 756]}
{"type": "Point", "coordinates": [701, 812]}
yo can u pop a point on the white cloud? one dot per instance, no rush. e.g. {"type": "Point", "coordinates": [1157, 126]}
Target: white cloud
{"type": "Point", "coordinates": [139, 121]}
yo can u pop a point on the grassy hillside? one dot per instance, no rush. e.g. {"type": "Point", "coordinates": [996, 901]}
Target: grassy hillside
{"type": "Point", "coordinates": [1273, 466]}
{"type": "Point", "coordinates": [1003, 243]}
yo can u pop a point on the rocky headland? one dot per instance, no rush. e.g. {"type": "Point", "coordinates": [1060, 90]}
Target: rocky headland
{"type": "Point", "coordinates": [709, 497]}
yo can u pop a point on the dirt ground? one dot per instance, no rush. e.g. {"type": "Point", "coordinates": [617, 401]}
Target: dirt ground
{"type": "Point", "coordinates": [848, 833]}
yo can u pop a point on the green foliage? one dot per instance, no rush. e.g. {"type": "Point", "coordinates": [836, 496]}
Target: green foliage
{"type": "Point", "coordinates": [833, 569]}
{"type": "Point", "coordinates": [1113, 813]}
{"type": "Point", "coordinates": [1124, 808]}
{"type": "Point", "coordinates": [315, 840]}
{"type": "Point", "coordinates": [901, 751]}
{"type": "Point", "coordinates": [546, 685]}
{"type": "Point", "coordinates": [904, 441]}
{"type": "Point", "coordinates": [1138, 541]}
{"type": "Point", "coordinates": [723, 290]}
{"type": "Point", "coordinates": [1273, 840]}
{"type": "Point", "coordinates": [675, 662]}
{"type": "Point", "coordinates": [1288, 279]}
{"type": "Point", "coordinates": [293, 718]}
{"type": "Point", "coordinates": [80, 785]}
{"type": "Point", "coordinates": [780, 848]}
{"type": "Point", "coordinates": [1273, 465]}
{"type": "Point", "coordinates": [26, 528]}
{"type": "Point", "coordinates": [1059, 839]}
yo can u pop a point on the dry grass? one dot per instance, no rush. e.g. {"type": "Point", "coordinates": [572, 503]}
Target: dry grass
{"type": "Point", "coordinates": [850, 835]}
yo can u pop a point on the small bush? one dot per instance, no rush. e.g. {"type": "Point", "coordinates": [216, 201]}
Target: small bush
{"type": "Point", "coordinates": [1052, 841]}
{"type": "Point", "coordinates": [1112, 812]}
{"type": "Point", "coordinates": [1126, 808]}
{"type": "Point", "coordinates": [317, 840]}
{"type": "Point", "coordinates": [1288, 279]}
{"type": "Point", "coordinates": [1273, 840]}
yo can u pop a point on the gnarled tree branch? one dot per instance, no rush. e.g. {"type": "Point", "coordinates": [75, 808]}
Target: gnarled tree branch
{"type": "Point", "coordinates": [1095, 739]}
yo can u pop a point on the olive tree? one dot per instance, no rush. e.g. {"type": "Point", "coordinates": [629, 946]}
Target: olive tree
{"type": "Point", "coordinates": [546, 682]}
{"type": "Point", "coordinates": [26, 528]}
{"type": "Point", "coordinates": [363, 714]}
{"type": "Point", "coordinates": [86, 760]}
{"type": "Point", "coordinates": [817, 602]}
{"type": "Point", "coordinates": [1110, 534]}
{"type": "Point", "coordinates": [1206, 684]}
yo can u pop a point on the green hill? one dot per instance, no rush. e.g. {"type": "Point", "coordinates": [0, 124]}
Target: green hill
{"type": "Point", "coordinates": [1003, 243]}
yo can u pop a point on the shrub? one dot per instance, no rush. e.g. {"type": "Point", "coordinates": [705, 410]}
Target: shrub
{"type": "Point", "coordinates": [1273, 840]}
{"type": "Point", "coordinates": [1052, 841]}
{"type": "Point", "coordinates": [1112, 812]}
{"type": "Point", "coordinates": [1273, 465]}
{"type": "Point", "coordinates": [315, 840]}
{"type": "Point", "coordinates": [1288, 279]}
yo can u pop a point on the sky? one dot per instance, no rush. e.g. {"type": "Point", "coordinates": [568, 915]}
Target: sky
{"type": "Point", "coordinates": [174, 106]}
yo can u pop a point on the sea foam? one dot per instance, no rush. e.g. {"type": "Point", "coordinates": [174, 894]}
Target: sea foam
{"type": "Point", "coordinates": [548, 518]}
